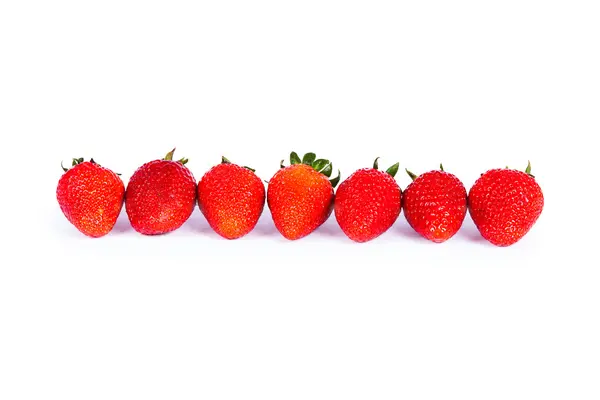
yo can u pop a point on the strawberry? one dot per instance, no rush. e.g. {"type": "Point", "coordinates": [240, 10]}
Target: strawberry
{"type": "Point", "coordinates": [231, 198]}
{"type": "Point", "coordinates": [300, 196]}
{"type": "Point", "coordinates": [368, 203]}
{"type": "Point", "coordinates": [90, 196]}
{"type": "Point", "coordinates": [435, 204]}
{"type": "Point", "coordinates": [160, 196]}
{"type": "Point", "coordinates": [505, 204]}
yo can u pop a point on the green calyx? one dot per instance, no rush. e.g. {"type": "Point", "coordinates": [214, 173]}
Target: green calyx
{"type": "Point", "coordinates": [412, 176]}
{"type": "Point", "coordinates": [169, 157]}
{"type": "Point", "coordinates": [75, 162]}
{"type": "Point", "coordinates": [309, 158]}
{"type": "Point", "coordinates": [528, 169]}
{"type": "Point", "coordinates": [319, 164]}
{"type": "Point", "coordinates": [224, 160]}
{"type": "Point", "coordinates": [393, 170]}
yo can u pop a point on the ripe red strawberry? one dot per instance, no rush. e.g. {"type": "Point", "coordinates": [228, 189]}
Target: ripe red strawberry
{"type": "Point", "coordinates": [435, 204]}
{"type": "Point", "coordinates": [300, 196]}
{"type": "Point", "coordinates": [368, 203]}
{"type": "Point", "coordinates": [90, 196]}
{"type": "Point", "coordinates": [160, 196]}
{"type": "Point", "coordinates": [505, 204]}
{"type": "Point", "coordinates": [231, 198]}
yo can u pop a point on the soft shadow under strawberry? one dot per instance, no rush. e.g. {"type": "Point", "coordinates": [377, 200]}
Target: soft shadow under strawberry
{"type": "Point", "coordinates": [331, 229]}
{"type": "Point", "coordinates": [265, 227]}
{"type": "Point", "coordinates": [406, 231]}
{"type": "Point", "coordinates": [469, 232]}
{"type": "Point", "coordinates": [122, 225]}
{"type": "Point", "coordinates": [197, 224]}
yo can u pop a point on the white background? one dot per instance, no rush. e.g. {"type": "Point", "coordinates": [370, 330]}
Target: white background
{"type": "Point", "coordinates": [475, 85]}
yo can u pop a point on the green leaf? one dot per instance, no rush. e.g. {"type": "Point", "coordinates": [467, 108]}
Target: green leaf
{"type": "Point", "coordinates": [224, 160]}
{"type": "Point", "coordinates": [441, 167]}
{"type": "Point", "coordinates": [528, 169]}
{"type": "Point", "coordinates": [251, 169]}
{"type": "Point", "coordinates": [169, 156]}
{"type": "Point", "coordinates": [335, 180]}
{"type": "Point", "coordinates": [64, 169]}
{"type": "Point", "coordinates": [327, 170]}
{"type": "Point", "coordinates": [92, 161]}
{"type": "Point", "coordinates": [376, 163]}
{"type": "Point", "coordinates": [412, 176]}
{"type": "Point", "coordinates": [309, 158]}
{"type": "Point", "coordinates": [393, 169]}
{"type": "Point", "coordinates": [320, 164]}
{"type": "Point", "coordinates": [294, 159]}
{"type": "Point", "coordinates": [281, 164]}
{"type": "Point", "coordinates": [183, 160]}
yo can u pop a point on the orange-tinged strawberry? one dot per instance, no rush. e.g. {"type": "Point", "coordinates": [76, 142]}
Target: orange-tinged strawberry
{"type": "Point", "coordinates": [505, 204]}
{"type": "Point", "coordinates": [160, 196]}
{"type": "Point", "coordinates": [91, 197]}
{"type": "Point", "coordinates": [435, 204]}
{"type": "Point", "coordinates": [368, 203]}
{"type": "Point", "coordinates": [301, 195]}
{"type": "Point", "coordinates": [231, 198]}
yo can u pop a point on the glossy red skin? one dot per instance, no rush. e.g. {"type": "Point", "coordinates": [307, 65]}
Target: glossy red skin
{"type": "Point", "coordinates": [504, 205]}
{"type": "Point", "coordinates": [367, 204]}
{"type": "Point", "coordinates": [160, 197]}
{"type": "Point", "coordinates": [91, 197]}
{"type": "Point", "coordinates": [435, 205]}
{"type": "Point", "coordinates": [232, 199]}
{"type": "Point", "coordinates": [300, 200]}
